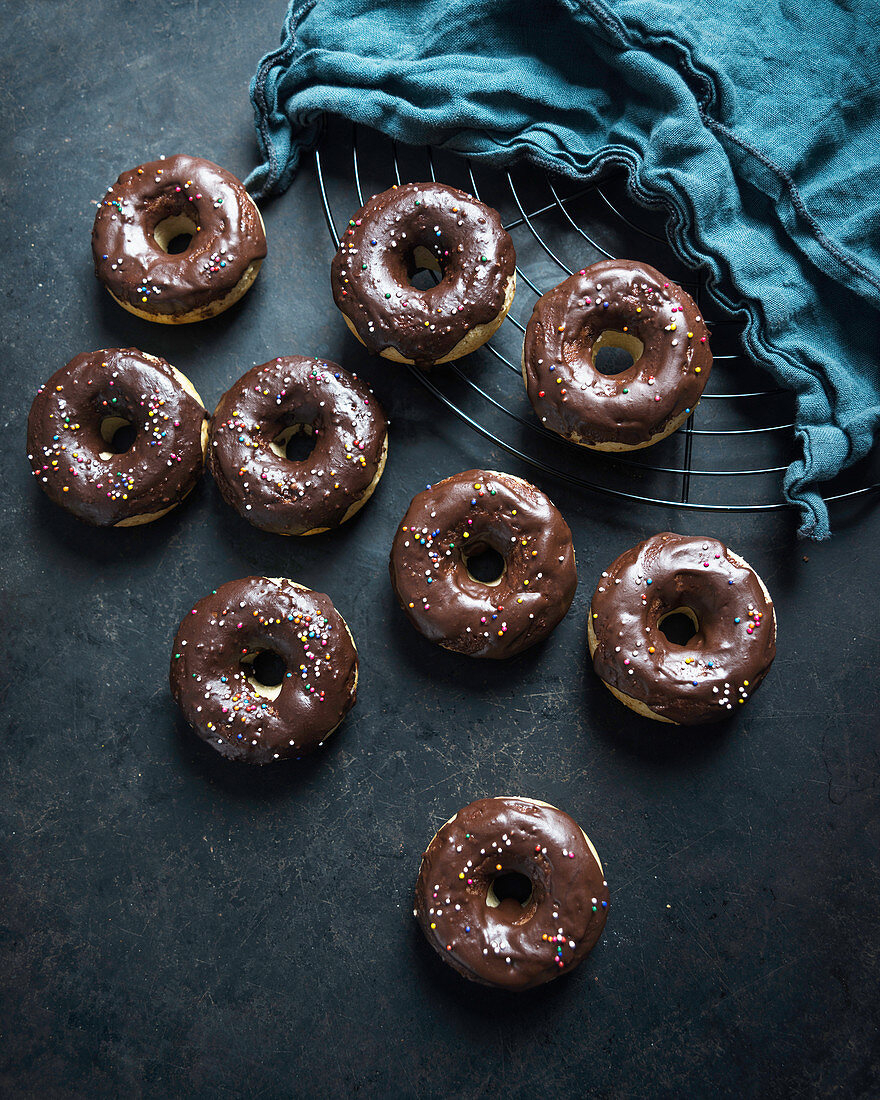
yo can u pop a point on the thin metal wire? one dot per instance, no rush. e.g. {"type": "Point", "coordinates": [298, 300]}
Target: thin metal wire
{"type": "Point", "coordinates": [615, 459]}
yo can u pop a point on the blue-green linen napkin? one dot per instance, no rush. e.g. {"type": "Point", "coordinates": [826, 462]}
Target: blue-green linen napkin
{"type": "Point", "coordinates": [757, 122]}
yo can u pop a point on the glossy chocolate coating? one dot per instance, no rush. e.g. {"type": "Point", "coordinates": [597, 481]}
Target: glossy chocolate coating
{"type": "Point", "coordinates": [268, 489]}
{"type": "Point", "coordinates": [465, 514]}
{"type": "Point", "coordinates": [511, 946]}
{"type": "Point", "coordinates": [373, 268]}
{"type": "Point", "coordinates": [133, 267]}
{"type": "Point", "coordinates": [249, 616]}
{"type": "Point", "coordinates": [574, 399]}
{"type": "Point", "coordinates": [65, 442]}
{"type": "Point", "coordinates": [728, 656]}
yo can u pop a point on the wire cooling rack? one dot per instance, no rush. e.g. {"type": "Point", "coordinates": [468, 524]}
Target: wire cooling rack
{"type": "Point", "coordinates": [731, 453]}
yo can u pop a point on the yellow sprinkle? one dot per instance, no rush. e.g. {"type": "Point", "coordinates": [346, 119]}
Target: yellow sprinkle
{"type": "Point", "coordinates": [698, 370]}
{"type": "Point", "coordinates": [497, 866]}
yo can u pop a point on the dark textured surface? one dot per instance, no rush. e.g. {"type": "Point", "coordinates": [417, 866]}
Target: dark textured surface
{"type": "Point", "coordinates": [177, 925]}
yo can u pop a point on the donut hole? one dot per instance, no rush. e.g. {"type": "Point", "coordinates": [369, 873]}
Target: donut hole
{"type": "Point", "coordinates": [679, 625]}
{"type": "Point", "coordinates": [616, 352]}
{"type": "Point", "coordinates": [510, 886]}
{"type": "Point", "coordinates": [424, 268]}
{"type": "Point", "coordinates": [265, 671]}
{"type": "Point", "coordinates": [174, 235]}
{"type": "Point", "coordinates": [119, 435]}
{"type": "Point", "coordinates": [485, 565]}
{"type": "Point", "coordinates": [295, 443]}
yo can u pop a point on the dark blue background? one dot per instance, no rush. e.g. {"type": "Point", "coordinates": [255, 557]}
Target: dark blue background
{"type": "Point", "coordinates": [176, 925]}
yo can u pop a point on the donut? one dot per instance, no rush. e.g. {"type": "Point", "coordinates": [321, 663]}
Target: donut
{"type": "Point", "coordinates": [157, 205]}
{"type": "Point", "coordinates": [734, 629]}
{"type": "Point", "coordinates": [511, 893]}
{"type": "Point", "coordinates": [75, 416]}
{"type": "Point", "coordinates": [262, 410]}
{"type": "Point", "coordinates": [417, 226]}
{"type": "Point", "coordinates": [215, 669]}
{"type": "Point", "coordinates": [618, 304]}
{"type": "Point", "coordinates": [452, 522]}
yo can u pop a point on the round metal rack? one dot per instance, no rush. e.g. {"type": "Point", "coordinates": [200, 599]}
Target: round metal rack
{"type": "Point", "coordinates": [734, 448]}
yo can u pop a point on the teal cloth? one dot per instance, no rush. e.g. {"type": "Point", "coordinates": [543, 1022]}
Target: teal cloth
{"type": "Point", "coordinates": [756, 122]}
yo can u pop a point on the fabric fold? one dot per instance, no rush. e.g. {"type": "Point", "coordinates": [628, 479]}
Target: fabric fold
{"type": "Point", "coordinates": [756, 127]}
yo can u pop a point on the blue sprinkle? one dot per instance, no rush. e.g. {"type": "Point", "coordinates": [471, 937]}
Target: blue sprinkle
{"type": "Point", "coordinates": [430, 581]}
{"type": "Point", "coordinates": [604, 904]}
{"type": "Point", "coordinates": [736, 620]}
{"type": "Point", "coordinates": [371, 242]}
{"type": "Point", "coordinates": [648, 581]}
{"type": "Point", "coordinates": [467, 928]}
{"type": "Point", "coordinates": [604, 305]}
{"type": "Point", "coordinates": [239, 737]}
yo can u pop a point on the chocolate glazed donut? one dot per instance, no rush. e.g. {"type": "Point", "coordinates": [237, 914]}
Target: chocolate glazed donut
{"type": "Point", "coordinates": [215, 669]}
{"type": "Point", "coordinates": [626, 305]}
{"type": "Point", "coordinates": [511, 893]}
{"type": "Point", "coordinates": [150, 206]}
{"type": "Point", "coordinates": [457, 519]}
{"type": "Point", "coordinates": [424, 225]}
{"type": "Point", "coordinates": [259, 413]}
{"type": "Point", "coordinates": [75, 416]}
{"type": "Point", "coordinates": [734, 629]}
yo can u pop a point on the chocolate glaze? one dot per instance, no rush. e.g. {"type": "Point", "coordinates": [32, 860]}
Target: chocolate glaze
{"type": "Point", "coordinates": [511, 946]}
{"type": "Point", "coordinates": [268, 489]}
{"type": "Point", "coordinates": [372, 271]}
{"type": "Point", "coordinates": [726, 659]}
{"type": "Point", "coordinates": [467, 513]}
{"type": "Point", "coordinates": [133, 267]}
{"type": "Point", "coordinates": [65, 442]}
{"type": "Point", "coordinates": [250, 616]}
{"type": "Point", "coordinates": [574, 399]}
